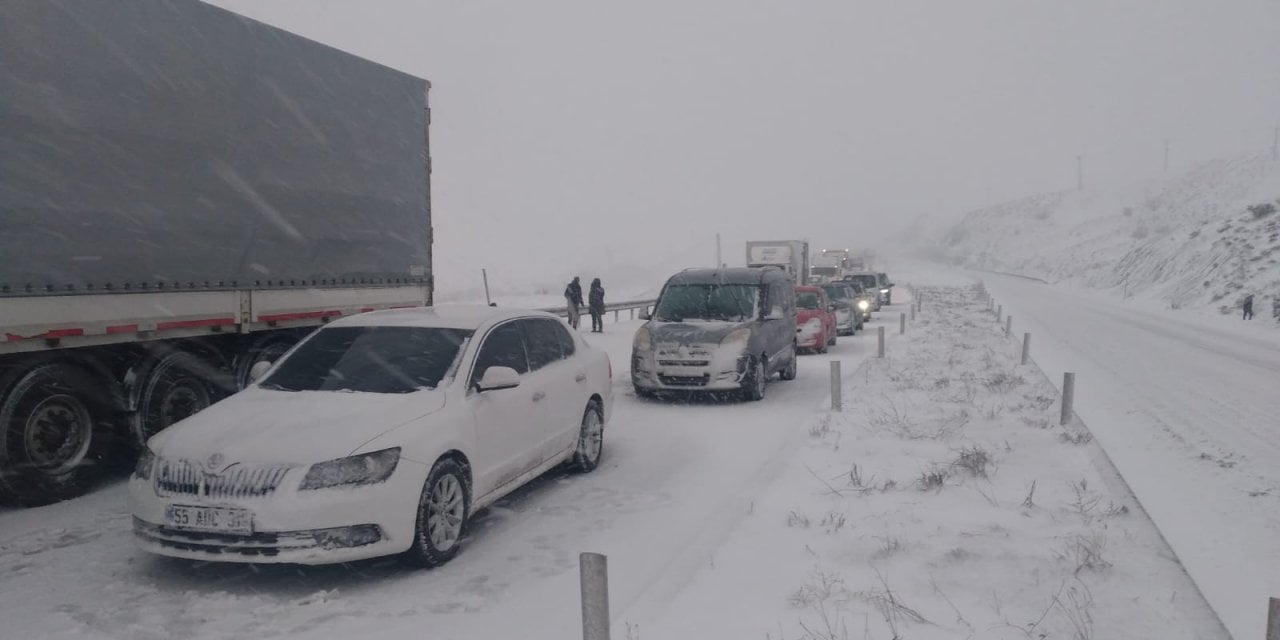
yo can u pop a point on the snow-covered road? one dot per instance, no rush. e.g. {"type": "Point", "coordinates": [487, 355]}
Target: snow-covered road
{"type": "Point", "coordinates": [1188, 407]}
{"type": "Point", "coordinates": [676, 480]}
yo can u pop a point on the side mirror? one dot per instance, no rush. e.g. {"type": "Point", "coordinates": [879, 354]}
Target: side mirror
{"type": "Point", "coordinates": [832, 307]}
{"type": "Point", "coordinates": [498, 378]}
{"type": "Point", "coordinates": [259, 369]}
{"type": "Point", "coordinates": [645, 315]}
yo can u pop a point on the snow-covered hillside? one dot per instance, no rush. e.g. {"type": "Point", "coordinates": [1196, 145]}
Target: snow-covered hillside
{"type": "Point", "coordinates": [1204, 238]}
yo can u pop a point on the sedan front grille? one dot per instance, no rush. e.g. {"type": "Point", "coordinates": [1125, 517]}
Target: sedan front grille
{"type": "Point", "coordinates": [186, 478]}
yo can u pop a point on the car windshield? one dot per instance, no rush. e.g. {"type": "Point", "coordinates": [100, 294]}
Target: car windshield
{"type": "Point", "coordinates": [708, 302]}
{"type": "Point", "coordinates": [807, 300]}
{"type": "Point", "coordinates": [868, 281]}
{"type": "Point", "coordinates": [370, 359]}
{"type": "Point", "coordinates": [836, 293]}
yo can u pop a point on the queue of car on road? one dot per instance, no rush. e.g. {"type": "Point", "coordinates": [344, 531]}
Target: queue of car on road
{"type": "Point", "coordinates": [383, 433]}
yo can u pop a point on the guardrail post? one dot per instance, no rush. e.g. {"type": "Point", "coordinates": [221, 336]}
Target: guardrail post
{"type": "Point", "coordinates": [594, 571]}
{"type": "Point", "coordinates": [633, 312]}
{"type": "Point", "coordinates": [913, 312]}
{"type": "Point", "coordinates": [1273, 619]}
{"type": "Point", "coordinates": [902, 323]}
{"type": "Point", "coordinates": [880, 331]}
{"type": "Point", "coordinates": [1068, 396]}
{"type": "Point", "coordinates": [1026, 347]}
{"type": "Point", "coordinates": [616, 315]}
{"type": "Point", "coordinates": [837, 403]}
{"type": "Point", "coordinates": [999, 312]}
{"type": "Point", "coordinates": [1008, 326]}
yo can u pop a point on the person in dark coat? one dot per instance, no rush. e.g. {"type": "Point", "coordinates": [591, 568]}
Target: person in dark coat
{"type": "Point", "coordinates": [595, 306]}
{"type": "Point", "coordinates": [1248, 307]}
{"type": "Point", "coordinates": [573, 301]}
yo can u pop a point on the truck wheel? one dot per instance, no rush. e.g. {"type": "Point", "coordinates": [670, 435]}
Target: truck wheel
{"type": "Point", "coordinates": [174, 389]}
{"type": "Point", "coordinates": [50, 440]}
{"type": "Point", "coordinates": [269, 351]}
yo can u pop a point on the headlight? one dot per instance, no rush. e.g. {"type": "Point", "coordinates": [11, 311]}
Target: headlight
{"type": "Point", "coordinates": [737, 338]}
{"type": "Point", "coordinates": [642, 341]}
{"type": "Point", "coordinates": [884, 291]}
{"type": "Point", "coordinates": [366, 468]}
{"type": "Point", "coordinates": [863, 304]}
{"type": "Point", "coordinates": [146, 462]}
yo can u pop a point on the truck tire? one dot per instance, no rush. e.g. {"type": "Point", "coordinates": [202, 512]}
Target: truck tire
{"type": "Point", "coordinates": [269, 350]}
{"type": "Point", "coordinates": [53, 433]}
{"type": "Point", "coordinates": [175, 388]}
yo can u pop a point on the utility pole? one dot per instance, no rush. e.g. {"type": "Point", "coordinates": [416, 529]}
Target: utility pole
{"type": "Point", "coordinates": [718, 261]}
{"type": "Point", "coordinates": [484, 273]}
{"type": "Point", "coordinates": [1166, 155]}
{"type": "Point", "coordinates": [1275, 143]}
{"type": "Point", "coordinates": [1080, 172]}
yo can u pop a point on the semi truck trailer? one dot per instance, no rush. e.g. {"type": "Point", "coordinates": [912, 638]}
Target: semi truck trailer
{"type": "Point", "coordinates": [184, 192]}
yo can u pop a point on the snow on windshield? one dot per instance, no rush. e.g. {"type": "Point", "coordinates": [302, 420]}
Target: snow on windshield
{"type": "Point", "coordinates": [370, 359]}
{"type": "Point", "coordinates": [723, 302]}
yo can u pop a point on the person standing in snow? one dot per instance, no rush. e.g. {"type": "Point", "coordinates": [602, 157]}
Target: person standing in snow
{"type": "Point", "coordinates": [595, 306]}
{"type": "Point", "coordinates": [573, 301]}
{"type": "Point", "coordinates": [1248, 307]}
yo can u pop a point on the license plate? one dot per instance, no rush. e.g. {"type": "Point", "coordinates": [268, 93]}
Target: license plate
{"type": "Point", "coordinates": [219, 519]}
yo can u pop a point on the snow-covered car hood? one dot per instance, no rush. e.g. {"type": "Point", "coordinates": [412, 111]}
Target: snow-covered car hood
{"type": "Point", "coordinates": [260, 425]}
{"type": "Point", "coordinates": [711, 332]}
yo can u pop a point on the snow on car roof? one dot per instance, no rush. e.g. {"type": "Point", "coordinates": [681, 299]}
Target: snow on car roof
{"type": "Point", "coordinates": [450, 316]}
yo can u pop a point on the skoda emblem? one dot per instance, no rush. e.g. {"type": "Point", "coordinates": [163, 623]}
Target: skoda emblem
{"type": "Point", "coordinates": [215, 461]}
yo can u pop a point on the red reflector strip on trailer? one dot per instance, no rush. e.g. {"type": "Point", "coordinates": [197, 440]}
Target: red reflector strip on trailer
{"type": "Point", "coordinates": [192, 324]}
{"type": "Point", "coordinates": [304, 315]}
{"type": "Point", "coordinates": [122, 328]}
{"type": "Point", "coordinates": [48, 335]}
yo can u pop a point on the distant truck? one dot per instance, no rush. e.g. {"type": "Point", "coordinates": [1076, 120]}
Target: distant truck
{"type": "Point", "coordinates": [184, 193]}
{"type": "Point", "coordinates": [790, 255]}
{"type": "Point", "coordinates": [830, 265]}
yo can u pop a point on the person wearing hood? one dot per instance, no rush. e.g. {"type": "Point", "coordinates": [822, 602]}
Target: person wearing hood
{"type": "Point", "coordinates": [1248, 307]}
{"type": "Point", "coordinates": [573, 301]}
{"type": "Point", "coordinates": [595, 306]}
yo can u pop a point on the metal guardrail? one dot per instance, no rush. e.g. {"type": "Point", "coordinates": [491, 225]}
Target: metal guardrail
{"type": "Point", "coordinates": [615, 307]}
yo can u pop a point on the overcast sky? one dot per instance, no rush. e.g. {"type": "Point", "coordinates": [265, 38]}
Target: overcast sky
{"type": "Point", "coordinates": [571, 133]}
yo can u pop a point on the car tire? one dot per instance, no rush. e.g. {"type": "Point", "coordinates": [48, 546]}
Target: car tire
{"type": "Point", "coordinates": [835, 337]}
{"type": "Point", "coordinates": [443, 509]}
{"type": "Point", "coordinates": [586, 456]}
{"type": "Point", "coordinates": [70, 400]}
{"type": "Point", "coordinates": [642, 392]}
{"type": "Point", "coordinates": [789, 372]}
{"type": "Point", "coordinates": [753, 387]}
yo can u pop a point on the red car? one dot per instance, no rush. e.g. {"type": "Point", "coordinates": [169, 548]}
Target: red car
{"type": "Point", "coordinates": [815, 320]}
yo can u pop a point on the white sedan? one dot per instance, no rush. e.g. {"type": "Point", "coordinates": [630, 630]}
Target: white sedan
{"type": "Point", "coordinates": [378, 434]}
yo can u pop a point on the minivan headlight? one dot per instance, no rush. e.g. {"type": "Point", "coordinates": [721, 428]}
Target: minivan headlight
{"type": "Point", "coordinates": [366, 468]}
{"type": "Point", "coordinates": [643, 340]}
{"type": "Point", "coordinates": [737, 338]}
{"type": "Point", "coordinates": [863, 304]}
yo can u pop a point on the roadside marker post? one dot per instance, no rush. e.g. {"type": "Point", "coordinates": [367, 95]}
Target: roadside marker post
{"type": "Point", "coordinates": [1026, 347]}
{"type": "Point", "coordinates": [880, 331]}
{"type": "Point", "coordinates": [594, 574]}
{"type": "Point", "coordinates": [1068, 396]}
{"type": "Point", "coordinates": [837, 403]}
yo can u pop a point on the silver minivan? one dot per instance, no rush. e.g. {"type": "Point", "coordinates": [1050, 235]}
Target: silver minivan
{"type": "Point", "coordinates": [717, 330]}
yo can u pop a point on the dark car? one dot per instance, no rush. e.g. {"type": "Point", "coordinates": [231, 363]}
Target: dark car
{"type": "Point", "coordinates": [718, 330]}
{"type": "Point", "coordinates": [849, 316]}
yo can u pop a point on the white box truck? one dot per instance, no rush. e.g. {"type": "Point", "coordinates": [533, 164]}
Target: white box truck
{"type": "Point", "coordinates": [791, 255]}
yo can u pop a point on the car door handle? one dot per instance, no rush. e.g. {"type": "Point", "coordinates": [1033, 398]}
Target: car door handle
{"type": "Point", "coordinates": [581, 377]}
{"type": "Point", "coordinates": [537, 397]}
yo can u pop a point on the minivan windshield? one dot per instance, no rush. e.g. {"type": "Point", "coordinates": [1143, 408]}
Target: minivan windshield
{"type": "Point", "coordinates": [369, 359]}
{"type": "Point", "coordinates": [708, 302]}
